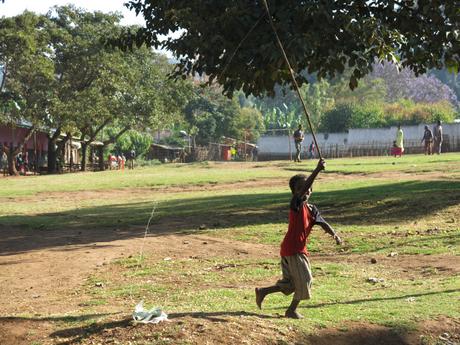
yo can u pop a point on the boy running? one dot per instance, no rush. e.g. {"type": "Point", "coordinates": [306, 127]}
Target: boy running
{"type": "Point", "coordinates": [295, 266]}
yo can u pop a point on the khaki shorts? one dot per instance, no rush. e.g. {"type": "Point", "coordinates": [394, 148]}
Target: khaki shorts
{"type": "Point", "coordinates": [297, 276]}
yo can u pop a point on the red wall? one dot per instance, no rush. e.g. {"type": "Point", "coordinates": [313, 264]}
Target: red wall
{"type": "Point", "coordinates": [15, 135]}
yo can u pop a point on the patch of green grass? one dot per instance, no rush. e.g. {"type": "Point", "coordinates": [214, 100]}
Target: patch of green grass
{"type": "Point", "coordinates": [167, 175]}
{"type": "Point", "coordinates": [217, 172]}
{"type": "Point", "coordinates": [410, 164]}
{"type": "Point", "coordinates": [341, 292]}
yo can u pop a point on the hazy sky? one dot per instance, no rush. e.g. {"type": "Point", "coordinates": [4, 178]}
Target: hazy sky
{"type": "Point", "coordinates": [13, 7]}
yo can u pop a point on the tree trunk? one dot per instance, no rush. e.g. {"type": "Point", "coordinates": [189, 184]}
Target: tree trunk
{"type": "Point", "coordinates": [11, 162]}
{"type": "Point", "coordinates": [84, 149]}
{"type": "Point", "coordinates": [71, 162]}
{"type": "Point", "coordinates": [13, 152]}
{"type": "Point", "coordinates": [61, 154]}
{"type": "Point", "coordinates": [100, 153]}
{"type": "Point", "coordinates": [52, 156]}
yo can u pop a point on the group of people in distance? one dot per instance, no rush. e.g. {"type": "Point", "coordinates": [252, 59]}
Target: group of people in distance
{"type": "Point", "coordinates": [118, 161]}
{"type": "Point", "coordinates": [21, 162]}
{"type": "Point", "coordinates": [433, 139]}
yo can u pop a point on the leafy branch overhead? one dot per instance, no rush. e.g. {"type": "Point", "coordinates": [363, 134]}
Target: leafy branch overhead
{"type": "Point", "coordinates": [322, 37]}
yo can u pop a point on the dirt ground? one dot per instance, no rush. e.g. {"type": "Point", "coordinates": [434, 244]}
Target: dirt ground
{"type": "Point", "coordinates": [41, 274]}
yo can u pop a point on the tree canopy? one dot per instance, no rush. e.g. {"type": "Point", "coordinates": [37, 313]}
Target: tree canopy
{"type": "Point", "coordinates": [320, 37]}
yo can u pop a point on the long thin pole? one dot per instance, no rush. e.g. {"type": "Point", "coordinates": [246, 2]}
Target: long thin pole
{"type": "Point", "coordinates": [291, 71]}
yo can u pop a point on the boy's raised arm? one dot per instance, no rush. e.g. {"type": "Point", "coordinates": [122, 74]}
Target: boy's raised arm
{"type": "Point", "coordinates": [309, 182]}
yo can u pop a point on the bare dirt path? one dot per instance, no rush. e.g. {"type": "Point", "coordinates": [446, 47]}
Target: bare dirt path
{"type": "Point", "coordinates": [47, 281]}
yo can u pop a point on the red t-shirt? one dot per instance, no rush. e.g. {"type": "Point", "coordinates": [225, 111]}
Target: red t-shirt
{"type": "Point", "coordinates": [300, 224]}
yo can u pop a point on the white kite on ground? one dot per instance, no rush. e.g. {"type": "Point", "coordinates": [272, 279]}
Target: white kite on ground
{"type": "Point", "coordinates": [154, 315]}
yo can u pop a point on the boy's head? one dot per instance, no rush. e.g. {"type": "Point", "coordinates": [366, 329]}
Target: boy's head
{"type": "Point", "coordinates": [297, 184]}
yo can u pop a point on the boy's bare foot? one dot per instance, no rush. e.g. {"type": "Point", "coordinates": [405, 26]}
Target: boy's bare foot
{"type": "Point", "coordinates": [259, 298]}
{"type": "Point", "coordinates": [293, 314]}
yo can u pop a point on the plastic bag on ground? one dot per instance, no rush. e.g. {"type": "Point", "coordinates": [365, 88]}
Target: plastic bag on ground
{"type": "Point", "coordinates": [154, 315]}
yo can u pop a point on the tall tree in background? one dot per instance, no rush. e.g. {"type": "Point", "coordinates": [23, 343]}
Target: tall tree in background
{"type": "Point", "coordinates": [28, 74]}
{"type": "Point", "coordinates": [211, 116]}
{"type": "Point", "coordinates": [85, 69]}
{"type": "Point", "coordinates": [106, 87]}
{"type": "Point", "coordinates": [284, 110]}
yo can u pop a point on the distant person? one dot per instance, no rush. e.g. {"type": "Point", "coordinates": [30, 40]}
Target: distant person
{"type": "Point", "coordinates": [131, 158]}
{"type": "Point", "coordinates": [182, 156]}
{"type": "Point", "coordinates": [255, 152]}
{"type": "Point", "coordinates": [4, 163]}
{"type": "Point", "coordinates": [428, 138]}
{"type": "Point", "coordinates": [233, 152]}
{"type": "Point", "coordinates": [399, 141]}
{"type": "Point", "coordinates": [123, 161]}
{"type": "Point", "coordinates": [395, 150]}
{"type": "Point", "coordinates": [113, 162]}
{"type": "Point", "coordinates": [298, 139]}
{"type": "Point", "coordinates": [311, 150]}
{"type": "Point", "coordinates": [437, 137]}
{"type": "Point", "coordinates": [109, 161]}
{"type": "Point", "coordinates": [119, 162]}
{"type": "Point", "coordinates": [26, 162]}
{"type": "Point", "coordinates": [20, 163]}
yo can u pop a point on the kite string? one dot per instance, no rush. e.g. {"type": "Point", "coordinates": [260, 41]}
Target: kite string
{"type": "Point", "coordinates": [239, 46]}
{"type": "Point", "coordinates": [294, 81]}
{"type": "Point", "coordinates": [141, 252]}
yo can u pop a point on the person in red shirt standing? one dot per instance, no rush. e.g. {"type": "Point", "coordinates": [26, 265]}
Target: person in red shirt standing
{"type": "Point", "coordinates": [295, 266]}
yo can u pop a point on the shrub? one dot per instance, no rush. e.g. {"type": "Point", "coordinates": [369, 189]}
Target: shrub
{"type": "Point", "coordinates": [375, 115]}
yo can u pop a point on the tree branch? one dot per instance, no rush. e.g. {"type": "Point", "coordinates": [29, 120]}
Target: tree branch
{"type": "Point", "coordinates": [5, 69]}
{"type": "Point", "coordinates": [113, 139]}
{"type": "Point", "coordinates": [55, 135]}
{"type": "Point", "coordinates": [98, 129]}
{"type": "Point", "coordinates": [26, 139]}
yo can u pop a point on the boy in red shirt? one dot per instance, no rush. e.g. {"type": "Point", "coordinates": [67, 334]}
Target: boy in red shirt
{"type": "Point", "coordinates": [295, 265]}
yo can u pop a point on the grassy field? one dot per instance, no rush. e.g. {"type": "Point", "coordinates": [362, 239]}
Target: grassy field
{"type": "Point", "coordinates": [403, 213]}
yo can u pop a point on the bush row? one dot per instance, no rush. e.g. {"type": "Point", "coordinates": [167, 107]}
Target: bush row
{"type": "Point", "coordinates": [374, 115]}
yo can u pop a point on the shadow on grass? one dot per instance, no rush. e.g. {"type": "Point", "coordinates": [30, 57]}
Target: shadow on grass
{"type": "Point", "coordinates": [364, 335]}
{"type": "Point", "coordinates": [217, 316]}
{"type": "Point", "coordinates": [57, 318]}
{"type": "Point", "coordinates": [378, 299]}
{"type": "Point", "coordinates": [80, 333]}
{"type": "Point", "coordinates": [381, 204]}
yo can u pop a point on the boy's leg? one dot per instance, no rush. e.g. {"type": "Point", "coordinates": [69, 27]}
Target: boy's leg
{"type": "Point", "coordinates": [262, 292]}
{"type": "Point", "coordinates": [301, 279]}
{"type": "Point", "coordinates": [283, 285]}
{"type": "Point", "coordinates": [291, 312]}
